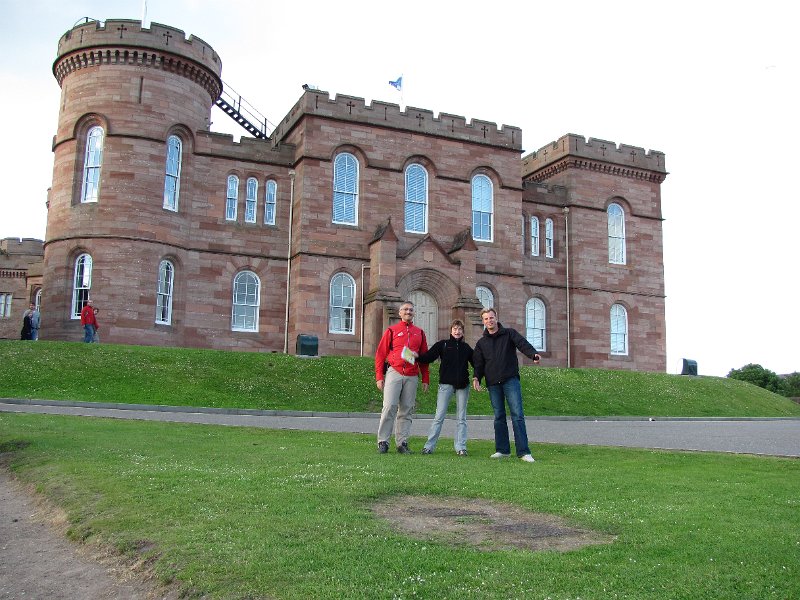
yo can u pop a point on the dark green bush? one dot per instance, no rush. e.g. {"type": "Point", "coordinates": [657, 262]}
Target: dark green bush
{"type": "Point", "coordinates": [764, 378]}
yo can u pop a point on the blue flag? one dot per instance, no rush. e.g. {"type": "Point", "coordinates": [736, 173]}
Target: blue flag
{"type": "Point", "coordinates": [397, 84]}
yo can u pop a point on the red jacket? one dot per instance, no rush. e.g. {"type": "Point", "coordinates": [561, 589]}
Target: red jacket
{"type": "Point", "coordinates": [87, 316]}
{"type": "Point", "coordinates": [390, 348]}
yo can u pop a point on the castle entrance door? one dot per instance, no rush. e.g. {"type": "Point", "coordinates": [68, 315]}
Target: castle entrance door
{"type": "Point", "coordinates": [426, 315]}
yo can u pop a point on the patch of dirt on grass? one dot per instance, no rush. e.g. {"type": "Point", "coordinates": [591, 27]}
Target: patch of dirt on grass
{"type": "Point", "coordinates": [483, 524]}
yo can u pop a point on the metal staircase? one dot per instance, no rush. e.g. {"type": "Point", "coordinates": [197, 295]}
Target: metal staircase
{"type": "Point", "coordinates": [244, 113]}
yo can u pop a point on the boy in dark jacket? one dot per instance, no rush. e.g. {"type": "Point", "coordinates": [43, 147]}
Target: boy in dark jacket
{"type": "Point", "coordinates": [456, 354]}
{"type": "Point", "coordinates": [495, 358]}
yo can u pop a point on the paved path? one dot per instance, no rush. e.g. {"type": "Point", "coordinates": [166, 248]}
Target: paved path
{"type": "Point", "coordinates": [776, 437]}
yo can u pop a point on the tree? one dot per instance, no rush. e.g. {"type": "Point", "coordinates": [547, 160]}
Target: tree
{"type": "Point", "coordinates": [793, 385]}
{"type": "Point", "coordinates": [758, 375]}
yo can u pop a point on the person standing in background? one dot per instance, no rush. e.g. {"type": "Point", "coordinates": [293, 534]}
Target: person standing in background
{"type": "Point", "coordinates": [35, 318]}
{"type": "Point", "coordinates": [88, 321]}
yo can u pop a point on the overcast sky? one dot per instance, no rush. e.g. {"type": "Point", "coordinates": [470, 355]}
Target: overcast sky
{"type": "Point", "coordinates": [710, 84]}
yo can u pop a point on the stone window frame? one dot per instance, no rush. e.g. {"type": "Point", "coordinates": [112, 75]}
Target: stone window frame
{"type": "Point", "coordinates": [231, 197]}
{"type": "Point", "coordinates": [534, 236]}
{"type": "Point", "coordinates": [251, 200]}
{"type": "Point", "coordinates": [482, 196]}
{"type": "Point", "coordinates": [270, 201]}
{"type": "Point", "coordinates": [416, 198]}
{"type": "Point", "coordinates": [536, 323]}
{"type": "Point", "coordinates": [165, 288]}
{"type": "Point", "coordinates": [92, 164]}
{"type": "Point", "coordinates": [618, 329]}
{"type": "Point", "coordinates": [246, 304]}
{"type": "Point", "coordinates": [481, 292]}
{"type": "Point", "coordinates": [345, 189]}
{"type": "Point", "coordinates": [80, 293]}
{"type": "Point", "coordinates": [339, 311]}
{"type": "Point", "coordinates": [617, 252]}
{"type": "Point", "coordinates": [172, 173]}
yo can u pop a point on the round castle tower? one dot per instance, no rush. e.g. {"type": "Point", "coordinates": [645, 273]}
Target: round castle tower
{"type": "Point", "coordinates": [135, 87]}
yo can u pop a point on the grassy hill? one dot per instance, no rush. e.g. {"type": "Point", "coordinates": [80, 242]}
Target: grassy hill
{"type": "Point", "coordinates": [221, 379]}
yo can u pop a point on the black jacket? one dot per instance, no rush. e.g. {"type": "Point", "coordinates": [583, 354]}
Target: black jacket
{"type": "Point", "coordinates": [495, 355]}
{"type": "Point", "coordinates": [455, 355]}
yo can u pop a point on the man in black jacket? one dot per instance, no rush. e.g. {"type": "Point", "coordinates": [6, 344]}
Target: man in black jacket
{"type": "Point", "coordinates": [495, 358]}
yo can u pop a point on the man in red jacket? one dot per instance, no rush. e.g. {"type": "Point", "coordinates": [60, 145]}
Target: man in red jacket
{"type": "Point", "coordinates": [399, 383]}
{"type": "Point", "coordinates": [89, 322]}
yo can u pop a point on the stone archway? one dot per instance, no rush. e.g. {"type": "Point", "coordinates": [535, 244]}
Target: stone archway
{"type": "Point", "coordinates": [426, 314]}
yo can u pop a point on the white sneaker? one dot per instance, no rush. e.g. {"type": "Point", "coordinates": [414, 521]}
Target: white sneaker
{"type": "Point", "coordinates": [527, 458]}
{"type": "Point", "coordinates": [499, 455]}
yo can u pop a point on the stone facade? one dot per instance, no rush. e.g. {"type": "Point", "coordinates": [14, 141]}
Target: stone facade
{"type": "Point", "coordinates": [20, 282]}
{"type": "Point", "coordinates": [144, 85]}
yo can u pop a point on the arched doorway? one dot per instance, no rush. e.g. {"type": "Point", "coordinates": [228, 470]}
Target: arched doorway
{"type": "Point", "coordinates": [426, 315]}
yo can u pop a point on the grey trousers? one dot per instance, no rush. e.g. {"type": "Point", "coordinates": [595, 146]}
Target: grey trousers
{"type": "Point", "coordinates": [399, 402]}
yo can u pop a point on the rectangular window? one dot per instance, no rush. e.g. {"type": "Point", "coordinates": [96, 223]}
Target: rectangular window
{"type": "Point", "coordinates": [534, 236]}
{"type": "Point", "coordinates": [548, 238]}
{"type": "Point", "coordinates": [5, 306]}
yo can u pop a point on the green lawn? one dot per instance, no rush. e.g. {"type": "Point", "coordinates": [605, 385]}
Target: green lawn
{"type": "Point", "coordinates": [188, 377]}
{"type": "Point", "coordinates": [226, 512]}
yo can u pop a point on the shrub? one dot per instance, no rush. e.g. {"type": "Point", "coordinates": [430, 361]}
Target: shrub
{"type": "Point", "coordinates": [758, 375]}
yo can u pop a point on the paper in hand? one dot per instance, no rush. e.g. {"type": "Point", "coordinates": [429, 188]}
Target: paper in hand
{"type": "Point", "coordinates": [407, 355]}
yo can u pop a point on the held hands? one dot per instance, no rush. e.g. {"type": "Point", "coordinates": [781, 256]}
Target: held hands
{"type": "Point", "coordinates": [536, 359]}
{"type": "Point", "coordinates": [476, 385]}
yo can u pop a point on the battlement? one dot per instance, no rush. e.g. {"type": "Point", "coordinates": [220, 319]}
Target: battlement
{"type": "Point", "coordinates": [125, 41]}
{"type": "Point", "coordinates": [384, 114]}
{"type": "Point", "coordinates": [637, 162]}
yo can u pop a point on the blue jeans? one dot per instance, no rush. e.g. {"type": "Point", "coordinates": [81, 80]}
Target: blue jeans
{"type": "Point", "coordinates": [446, 392]}
{"type": "Point", "coordinates": [509, 391]}
{"type": "Point", "coordinates": [88, 333]}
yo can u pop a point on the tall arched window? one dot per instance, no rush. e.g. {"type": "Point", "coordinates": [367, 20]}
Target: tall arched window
{"type": "Point", "coordinates": [535, 324]}
{"type": "Point", "coordinates": [250, 200]}
{"type": "Point", "coordinates": [345, 189]}
{"type": "Point", "coordinates": [619, 329]}
{"type": "Point", "coordinates": [534, 236]}
{"type": "Point", "coordinates": [232, 198]}
{"type": "Point", "coordinates": [416, 199]}
{"type": "Point", "coordinates": [81, 284]}
{"type": "Point", "coordinates": [482, 208]}
{"type": "Point", "coordinates": [246, 300]}
{"type": "Point", "coordinates": [172, 179]}
{"type": "Point", "coordinates": [616, 234]}
{"type": "Point", "coordinates": [342, 304]}
{"type": "Point", "coordinates": [92, 162]}
{"type": "Point", "coordinates": [166, 275]}
{"type": "Point", "coordinates": [548, 238]}
{"type": "Point", "coordinates": [485, 295]}
{"type": "Point", "coordinates": [269, 202]}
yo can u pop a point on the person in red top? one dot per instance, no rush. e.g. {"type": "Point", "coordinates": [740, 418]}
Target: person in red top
{"type": "Point", "coordinates": [88, 321]}
{"type": "Point", "coordinates": [399, 382]}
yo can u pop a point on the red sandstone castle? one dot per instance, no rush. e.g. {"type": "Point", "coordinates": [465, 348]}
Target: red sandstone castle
{"type": "Point", "coordinates": [319, 229]}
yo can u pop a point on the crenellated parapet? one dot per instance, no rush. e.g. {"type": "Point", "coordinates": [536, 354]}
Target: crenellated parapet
{"type": "Point", "coordinates": [126, 42]}
{"type": "Point", "coordinates": [573, 151]}
{"type": "Point", "coordinates": [384, 114]}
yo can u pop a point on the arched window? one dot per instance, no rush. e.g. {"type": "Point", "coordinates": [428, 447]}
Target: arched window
{"type": "Point", "coordinates": [5, 305]}
{"type": "Point", "coordinates": [172, 179]}
{"type": "Point", "coordinates": [535, 324]}
{"type": "Point", "coordinates": [232, 198]}
{"type": "Point", "coordinates": [81, 284]}
{"type": "Point", "coordinates": [38, 299]}
{"type": "Point", "coordinates": [166, 275]}
{"type": "Point", "coordinates": [416, 199]}
{"type": "Point", "coordinates": [534, 236]}
{"type": "Point", "coordinates": [342, 304]}
{"type": "Point", "coordinates": [619, 329]}
{"type": "Point", "coordinates": [548, 238]}
{"type": "Point", "coordinates": [92, 162]}
{"type": "Point", "coordinates": [616, 234]}
{"type": "Point", "coordinates": [485, 295]}
{"type": "Point", "coordinates": [250, 200]}
{"type": "Point", "coordinates": [269, 202]}
{"type": "Point", "coordinates": [345, 189]}
{"type": "Point", "coordinates": [246, 300]}
{"type": "Point", "coordinates": [482, 208]}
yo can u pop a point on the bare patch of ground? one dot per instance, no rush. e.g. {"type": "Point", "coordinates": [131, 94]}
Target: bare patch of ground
{"type": "Point", "coordinates": [38, 561]}
{"type": "Point", "coordinates": [484, 524]}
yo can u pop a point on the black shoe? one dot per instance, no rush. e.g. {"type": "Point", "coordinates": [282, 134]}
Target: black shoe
{"type": "Point", "coordinates": [427, 451]}
{"type": "Point", "coordinates": [404, 449]}
{"type": "Point", "coordinates": [383, 447]}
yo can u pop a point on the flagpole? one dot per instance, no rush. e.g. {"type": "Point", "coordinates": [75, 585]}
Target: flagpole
{"type": "Point", "coordinates": [144, 14]}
